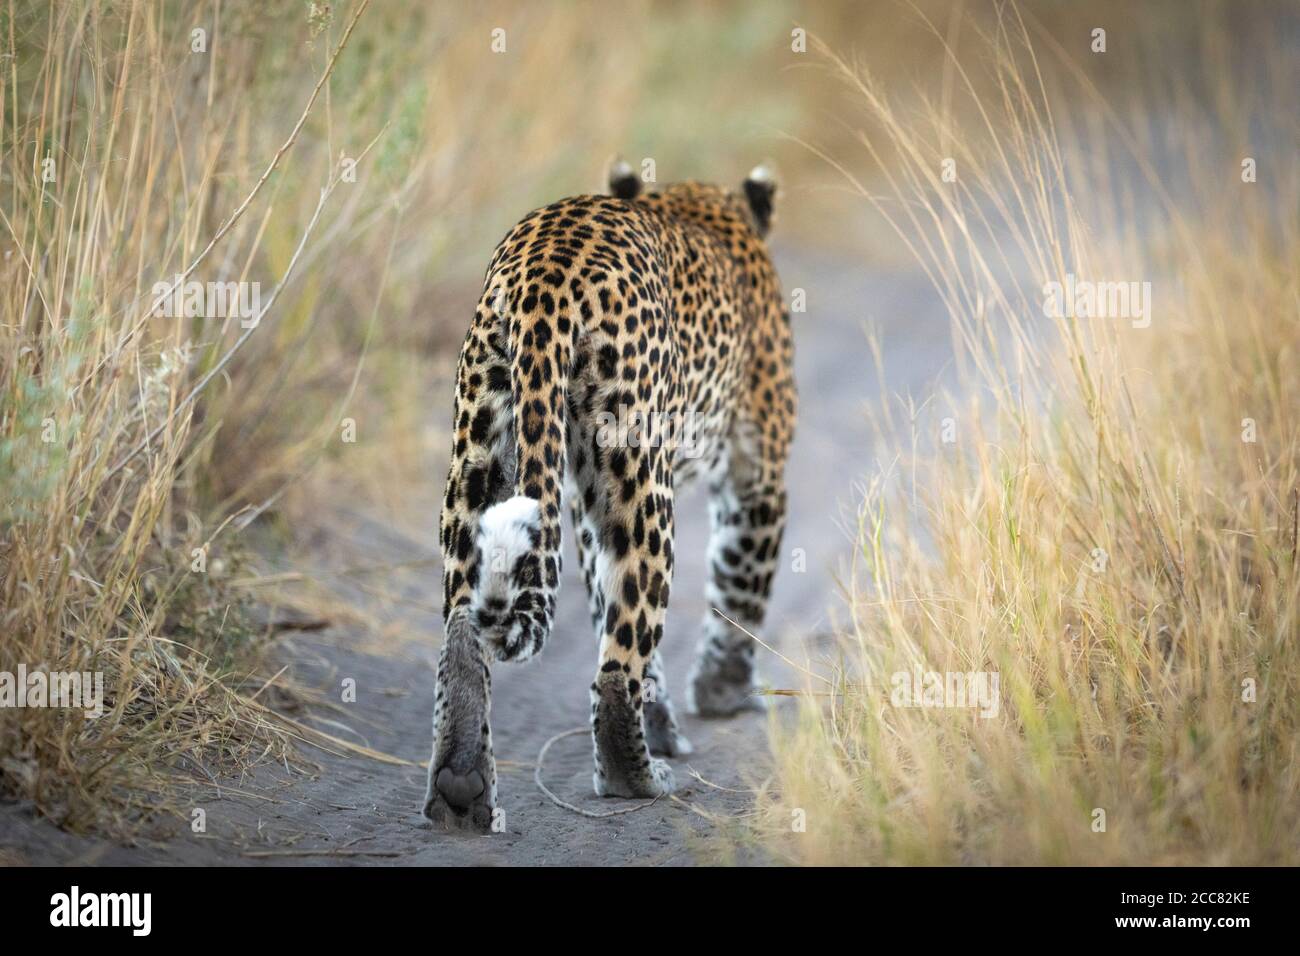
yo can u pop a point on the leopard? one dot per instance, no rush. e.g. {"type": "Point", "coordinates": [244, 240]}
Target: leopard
{"type": "Point", "coordinates": [624, 344]}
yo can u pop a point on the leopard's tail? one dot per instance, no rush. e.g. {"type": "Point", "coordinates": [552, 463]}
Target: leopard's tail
{"type": "Point", "coordinates": [519, 538]}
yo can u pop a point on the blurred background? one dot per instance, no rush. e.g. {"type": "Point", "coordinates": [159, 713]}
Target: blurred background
{"type": "Point", "coordinates": [459, 142]}
{"type": "Point", "coordinates": [466, 140]}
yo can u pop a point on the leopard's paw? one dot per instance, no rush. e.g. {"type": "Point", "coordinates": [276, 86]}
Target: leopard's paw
{"type": "Point", "coordinates": [456, 801]}
{"type": "Point", "coordinates": [662, 735]}
{"type": "Point", "coordinates": [654, 779]}
{"type": "Point", "coordinates": [723, 688]}
{"type": "Point", "coordinates": [624, 767]}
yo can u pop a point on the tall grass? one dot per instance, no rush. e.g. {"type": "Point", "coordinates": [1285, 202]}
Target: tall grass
{"type": "Point", "coordinates": [123, 167]}
{"type": "Point", "coordinates": [1105, 532]}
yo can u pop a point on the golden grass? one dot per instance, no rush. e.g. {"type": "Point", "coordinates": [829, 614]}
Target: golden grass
{"type": "Point", "coordinates": [1101, 534]}
{"type": "Point", "coordinates": [116, 178]}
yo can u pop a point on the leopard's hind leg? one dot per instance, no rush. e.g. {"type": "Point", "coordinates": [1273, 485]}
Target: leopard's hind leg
{"type": "Point", "coordinates": [663, 736]}
{"type": "Point", "coordinates": [626, 544]}
{"type": "Point", "coordinates": [747, 508]}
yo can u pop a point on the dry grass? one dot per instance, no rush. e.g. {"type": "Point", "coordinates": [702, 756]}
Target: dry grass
{"type": "Point", "coordinates": [1101, 534]}
{"type": "Point", "coordinates": [123, 168]}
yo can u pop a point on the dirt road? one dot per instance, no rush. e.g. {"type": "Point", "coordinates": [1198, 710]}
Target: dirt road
{"type": "Point", "coordinates": [361, 811]}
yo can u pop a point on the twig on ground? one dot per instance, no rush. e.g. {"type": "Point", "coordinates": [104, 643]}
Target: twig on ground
{"type": "Point", "coordinates": [716, 786]}
{"type": "Point", "coordinates": [597, 814]}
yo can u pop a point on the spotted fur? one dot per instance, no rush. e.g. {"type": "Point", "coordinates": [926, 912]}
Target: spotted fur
{"type": "Point", "coordinates": [622, 345]}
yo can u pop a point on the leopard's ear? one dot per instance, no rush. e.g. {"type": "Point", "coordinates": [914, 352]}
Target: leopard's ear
{"type": "Point", "coordinates": [624, 183]}
{"type": "Point", "coordinates": [760, 192]}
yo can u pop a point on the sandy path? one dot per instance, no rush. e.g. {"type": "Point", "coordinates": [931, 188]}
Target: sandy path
{"type": "Point", "coordinates": [358, 810]}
